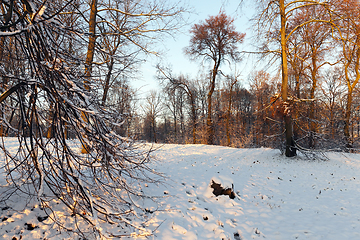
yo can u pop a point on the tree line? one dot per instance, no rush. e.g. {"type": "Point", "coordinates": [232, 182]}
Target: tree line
{"type": "Point", "coordinates": [250, 116]}
{"type": "Point", "coordinates": [311, 101]}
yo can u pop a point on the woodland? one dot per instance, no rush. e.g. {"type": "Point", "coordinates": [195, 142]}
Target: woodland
{"type": "Point", "coordinates": [66, 69]}
{"type": "Point", "coordinates": [311, 101]}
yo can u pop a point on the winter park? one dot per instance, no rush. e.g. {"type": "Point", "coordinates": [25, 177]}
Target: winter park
{"type": "Point", "coordinates": [155, 119]}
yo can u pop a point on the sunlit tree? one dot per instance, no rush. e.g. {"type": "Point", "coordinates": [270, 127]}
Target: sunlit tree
{"type": "Point", "coordinates": [215, 40]}
{"type": "Point", "coordinates": [273, 23]}
{"type": "Point", "coordinates": [52, 89]}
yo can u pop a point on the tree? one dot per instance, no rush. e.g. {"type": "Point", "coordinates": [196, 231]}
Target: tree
{"type": "Point", "coordinates": [332, 91]}
{"type": "Point", "coordinates": [261, 89]}
{"type": "Point", "coordinates": [127, 31]}
{"type": "Point", "coordinates": [273, 23]}
{"type": "Point", "coordinates": [307, 53]}
{"type": "Point", "coordinates": [214, 40]}
{"type": "Point", "coordinates": [122, 98]}
{"type": "Point", "coordinates": [116, 24]}
{"type": "Point", "coordinates": [233, 81]}
{"type": "Point", "coordinates": [152, 110]}
{"type": "Point", "coordinates": [242, 111]}
{"type": "Point", "coordinates": [52, 169]}
{"type": "Point", "coordinates": [349, 40]}
{"type": "Point", "coordinates": [186, 86]}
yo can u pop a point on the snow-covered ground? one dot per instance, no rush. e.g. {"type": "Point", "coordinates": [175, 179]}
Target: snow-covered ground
{"type": "Point", "coordinates": [277, 197]}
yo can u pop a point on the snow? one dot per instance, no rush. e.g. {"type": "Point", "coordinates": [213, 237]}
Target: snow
{"type": "Point", "coordinates": [277, 197]}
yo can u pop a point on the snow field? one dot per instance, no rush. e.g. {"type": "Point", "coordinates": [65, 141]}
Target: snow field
{"type": "Point", "coordinates": [277, 198]}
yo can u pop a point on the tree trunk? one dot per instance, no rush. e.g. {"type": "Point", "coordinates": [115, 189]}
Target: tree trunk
{"type": "Point", "coordinates": [91, 45]}
{"type": "Point", "coordinates": [175, 126]}
{"type": "Point", "coordinates": [209, 122]}
{"type": "Point", "coordinates": [51, 130]}
{"type": "Point", "coordinates": [89, 59]}
{"type": "Point", "coordinates": [193, 112]}
{"type": "Point", "coordinates": [2, 110]}
{"type": "Point", "coordinates": [290, 145]}
{"type": "Point", "coordinates": [4, 85]}
{"type": "Point", "coordinates": [228, 123]}
{"type": "Point", "coordinates": [107, 81]}
{"type": "Point", "coordinates": [182, 125]}
{"type": "Point", "coordinates": [312, 103]}
{"type": "Point", "coordinates": [194, 124]}
{"type": "Point", "coordinates": [332, 124]}
{"type": "Point", "coordinates": [297, 92]}
{"type": "Point", "coordinates": [154, 129]}
{"type": "Point", "coordinates": [347, 119]}
{"type": "Point", "coordinates": [228, 115]}
{"type": "Point", "coordinates": [351, 88]}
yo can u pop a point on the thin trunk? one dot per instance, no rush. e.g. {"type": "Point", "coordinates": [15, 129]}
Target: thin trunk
{"type": "Point", "coordinates": [175, 127]}
{"type": "Point", "coordinates": [209, 122]}
{"type": "Point", "coordinates": [228, 122]}
{"type": "Point", "coordinates": [154, 129]}
{"type": "Point", "coordinates": [351, 87]}
{"type": "Point", "coordinates": [193, 110]}
{"type": "Point", "coordinates": [352, 132]}
{"type": "Point", "coordinates": [332, 122]}
{"type": "Point", "coordinates": [182, 130]}
{"type": "Point", "coordinates": [4, 84]}
{"type": "Point", "coordinates": [312, 104]}
{"type": "Point", "coordinates": [290, 145]}
{"type": "Point", "coordinates": [107, 81]}
{"type": "Point", "coordinates": [51, 130]}
{"type": "Point", "coordinates": [297, 92]}
{"type": "Point", "coordinates": [297, 86]}
{"type": "Point", "coordinates": [228, 115]}
{"type": "Point", "coordinates": [347, 118]}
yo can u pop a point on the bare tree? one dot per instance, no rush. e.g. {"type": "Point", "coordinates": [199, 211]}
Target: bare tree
{"type": "Point", "coordinates": [122, 97]}
{"type": "Point", "coordinates": [214, 40]}
{"type": "Point", "coordinates": [273, 23]}
{"type": "Point", "coordinates": [332, 91]}
{"type": "Point", "coordinates": [173, 100]}
{"type": "Point", "coordinates": [307, 57]}
{"type": "Point", "coordinates": [261, 89]}
{"type": "Point", "coordinates": [232, 81]}
{"type": "Point", "coordinates": [101, 186]}
{"type": "Point", "coordinates": [152, 110]}
{"type": "Point", "coordinates": [189, 89]}
{"type": "Point", "coordinates": [349, 38]}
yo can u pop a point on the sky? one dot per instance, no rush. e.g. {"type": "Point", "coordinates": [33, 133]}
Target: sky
{"type": "Point", "coordinates": [173, 47]}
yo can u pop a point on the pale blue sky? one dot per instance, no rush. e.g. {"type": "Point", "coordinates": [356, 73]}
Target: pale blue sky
{"type": "Point", "coordinates": [174, 47]}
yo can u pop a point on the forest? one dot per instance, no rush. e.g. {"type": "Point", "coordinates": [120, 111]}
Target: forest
{"type": "Point", "coordinates": [66, 69]}
{"type": "Point", "coordinates": [321, 74]}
